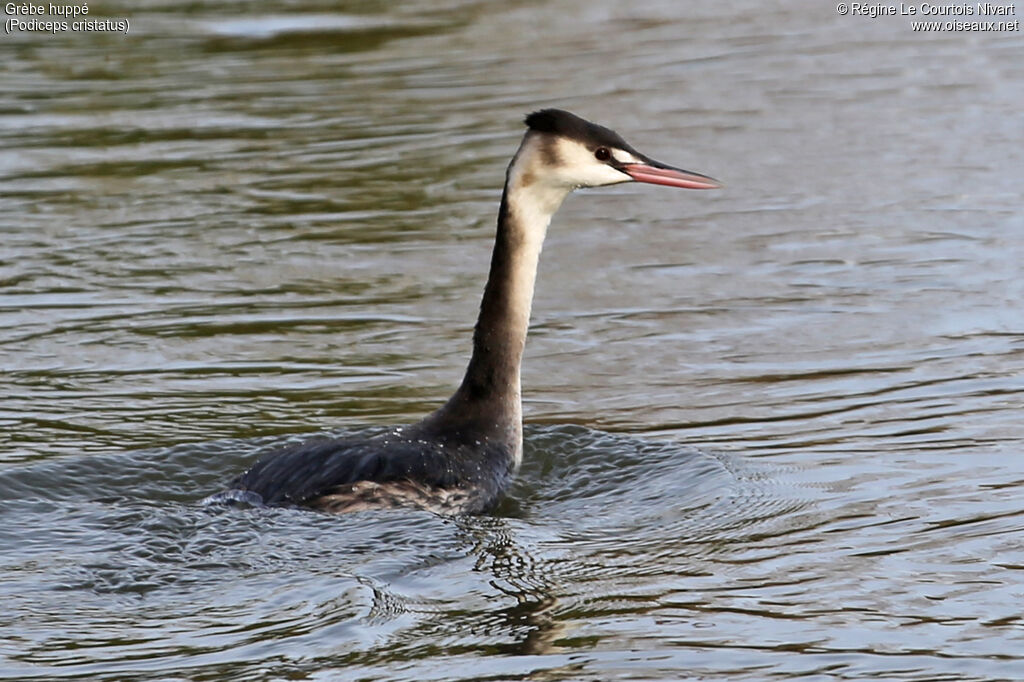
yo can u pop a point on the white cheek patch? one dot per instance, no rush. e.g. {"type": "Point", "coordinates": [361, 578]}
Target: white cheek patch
{"type": "Point", "coordinates": [573, 154]}
{"type": "Point", "coordinates": [624, 156]}
{"type": "Point", "coordinates": [564, 166]}
{"type": "Point", "coordinates": [604, 175]}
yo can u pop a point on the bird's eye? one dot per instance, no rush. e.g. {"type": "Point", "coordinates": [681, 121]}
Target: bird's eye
{"type": "Point", "coordinates": [602, 154]}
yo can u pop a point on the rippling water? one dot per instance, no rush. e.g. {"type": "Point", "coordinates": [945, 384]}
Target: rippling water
{"type": "Point", "coordinates": [773, 431]}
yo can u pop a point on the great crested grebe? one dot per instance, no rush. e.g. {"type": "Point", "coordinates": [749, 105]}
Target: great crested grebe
{"type": "Point", "coordinates": [461, 457]}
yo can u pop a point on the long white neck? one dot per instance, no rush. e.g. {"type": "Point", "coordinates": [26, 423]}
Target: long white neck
{"type": "Point", "coordinates": [490, 393]}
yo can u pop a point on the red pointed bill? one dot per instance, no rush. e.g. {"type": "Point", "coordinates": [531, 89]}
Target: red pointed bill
{"type": "Point", "coordinates": [672, 177]}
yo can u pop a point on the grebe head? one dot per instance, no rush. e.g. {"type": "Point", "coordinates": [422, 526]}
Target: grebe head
{"type": "Point", "coordinates": [562, 152]}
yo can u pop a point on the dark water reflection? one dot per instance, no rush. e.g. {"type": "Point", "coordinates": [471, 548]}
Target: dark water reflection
{"type": "Point", "coordinates": [229, 229]}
